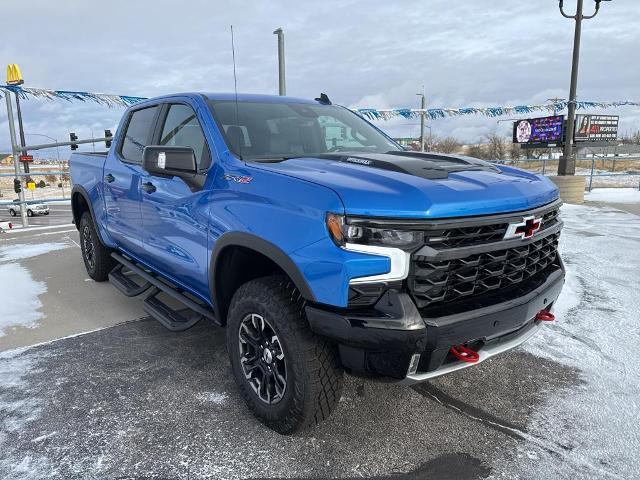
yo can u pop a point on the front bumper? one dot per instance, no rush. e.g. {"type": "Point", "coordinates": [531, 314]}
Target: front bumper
{"type": "Point", "coordinates": [393, 340]}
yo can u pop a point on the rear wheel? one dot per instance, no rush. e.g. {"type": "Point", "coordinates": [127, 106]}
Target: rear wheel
{"type": "Point", "coordinates": [289, 378]}
{"type": "Point", "coordinates": [97, 258]}
{"type": "Point", "coordinates": [12, 212]}
{"type": "Point", "coordinates": [29, 213]}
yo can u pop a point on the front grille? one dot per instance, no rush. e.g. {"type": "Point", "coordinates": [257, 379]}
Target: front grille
{"type": "Point", "coordinates": [432, 282]}
{"type": "Point", "coordinates": [465, 236]}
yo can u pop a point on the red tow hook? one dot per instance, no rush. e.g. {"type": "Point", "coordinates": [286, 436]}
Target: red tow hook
{"type": "Point", "coordinates": [545, 316]}
{"type": "Point", "coordinates": [464, 354]}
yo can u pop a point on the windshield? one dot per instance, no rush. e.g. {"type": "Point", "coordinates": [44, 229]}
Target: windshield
{"type": "Point", "coordinates": [265, 130]}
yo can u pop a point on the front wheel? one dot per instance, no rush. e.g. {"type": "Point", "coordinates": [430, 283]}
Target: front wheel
{"type": "Point", "coordinates": [12, 212]}
{"type": "Point", "coordinates": [97, 258]}
{"type": "Point", "coordinates": [29, 213]}
{"type": "Point", "coordinates": [289, 378]}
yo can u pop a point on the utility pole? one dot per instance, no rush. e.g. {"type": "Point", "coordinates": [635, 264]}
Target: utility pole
{"type": "Point", "coordinates": [423, 105]}
{"type": "Point", "coordinates": [555, 100]}
{"type": "Point", "coordinates": [567, 164]}
{"type": "Point", "coordinates": [281, 83]}
{"type": "Point", "coordinates": [16, 159]}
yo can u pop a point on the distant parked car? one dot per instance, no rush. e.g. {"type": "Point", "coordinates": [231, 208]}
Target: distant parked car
{"type": "Point", "coordinates": [32, 209]}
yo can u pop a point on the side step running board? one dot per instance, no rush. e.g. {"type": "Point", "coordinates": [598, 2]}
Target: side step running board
{"type": "Point", "coordinates": [125, 284]}
{"type": "Point", "coordinates": [169, 317]}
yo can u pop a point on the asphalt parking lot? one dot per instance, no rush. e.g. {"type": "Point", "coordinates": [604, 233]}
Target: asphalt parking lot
{"type": "Point", "coordinates": [130, 399]}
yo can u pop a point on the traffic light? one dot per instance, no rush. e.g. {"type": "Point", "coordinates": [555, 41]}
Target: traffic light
{"type": "Point", "coordinates": [108, 135]}
{"type": "Point", "coordinates": [73, 137]}
{"type": "Point", "coordinates": [17, 186]}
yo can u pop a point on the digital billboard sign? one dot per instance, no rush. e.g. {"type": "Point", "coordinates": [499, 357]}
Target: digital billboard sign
{"type": "Point", "coordinates": [542, 131]}
{"type": "Point", "coordinates": [593, 128]}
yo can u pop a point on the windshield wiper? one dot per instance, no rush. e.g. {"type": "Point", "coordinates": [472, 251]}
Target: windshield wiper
{"type": "Point", "coordinates": [276, 158]}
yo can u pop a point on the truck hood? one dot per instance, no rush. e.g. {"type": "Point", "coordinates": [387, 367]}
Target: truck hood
{"type": "Point", "coordinates": [419, 185]}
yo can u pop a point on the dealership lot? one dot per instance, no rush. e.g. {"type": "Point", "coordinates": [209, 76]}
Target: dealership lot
{"type": "Point", "coordinates": [130, 399]}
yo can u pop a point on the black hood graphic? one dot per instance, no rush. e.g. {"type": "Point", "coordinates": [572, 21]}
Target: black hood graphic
{"type": "Point", "coordinates": [431, 166]}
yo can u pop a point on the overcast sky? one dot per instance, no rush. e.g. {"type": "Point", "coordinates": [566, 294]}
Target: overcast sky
{"type": "Point", "coordinates": [361, 53]}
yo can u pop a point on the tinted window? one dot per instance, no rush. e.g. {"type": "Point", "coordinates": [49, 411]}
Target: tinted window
{"type": "Point", "coordinates": [182, 129]}
{"type": "Point", "coordinates": [137, 134]}
{"type": "Point", "coordinates": [256, 130]}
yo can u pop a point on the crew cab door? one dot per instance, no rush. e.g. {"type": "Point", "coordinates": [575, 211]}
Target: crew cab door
{"type": "Point", "coordinates": [175, 211]}
{"type": "Point", "coordinates": [121, 182]}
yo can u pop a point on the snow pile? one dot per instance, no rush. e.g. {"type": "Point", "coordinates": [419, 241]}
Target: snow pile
{"type": "Point", "coordinates": [19, 300]}
{"type": "Point", "coordinates": [613, 195]}
{"type": "Point", "coordinates": [19, 297]}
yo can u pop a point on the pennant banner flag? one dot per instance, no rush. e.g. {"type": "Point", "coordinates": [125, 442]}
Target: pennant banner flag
{"type": "Point", "coordinates": [369, 113]}
{"type": "Point", "coordinates": [69, 95]}
{"type": "Point", "coordinates": [435, 113]}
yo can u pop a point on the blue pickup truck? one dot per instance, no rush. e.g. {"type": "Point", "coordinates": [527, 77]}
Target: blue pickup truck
{"type": "Point", "coordinates": [318, 242]}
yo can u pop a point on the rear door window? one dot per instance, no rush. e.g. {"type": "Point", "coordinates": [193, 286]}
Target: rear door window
{"type": "Point", "coordinates": [138, 134]}
{"type": "Point", "coordinates": [182, 129]}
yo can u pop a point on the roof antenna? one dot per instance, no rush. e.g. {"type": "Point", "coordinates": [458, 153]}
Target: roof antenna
{"type": "Point", "coordinates": [240, 133]}
{"type": "Point", "coordinates": [323, 99]}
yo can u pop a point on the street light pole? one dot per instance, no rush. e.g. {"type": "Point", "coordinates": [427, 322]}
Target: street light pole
{"type": "Point", "coordinates": [16, 161]}
{"type": "Point", "coordinates": [423, 104]}
{"type": "Point", "coordinates": [567, 164]}
{"type": "Point", "coordinates": [281, 83]}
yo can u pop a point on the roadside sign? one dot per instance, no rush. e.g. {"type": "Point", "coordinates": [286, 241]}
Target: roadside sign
{"type": "Point", "coordinates": [14, 76]}
{"type": "Point", "coordinates": [31, 185]}
{"type": "Point", "coordinates": [590, 128]}
{"type": "Point", "coordinates": [539, 132]}
{"type": "Point", "coordinates": [26, 158]}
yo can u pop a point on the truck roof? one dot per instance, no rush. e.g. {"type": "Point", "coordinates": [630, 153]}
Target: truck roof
{"type": "Point", "coordinates": [242, 97]}
{"type": "Point", "coordinates": [253, 97]}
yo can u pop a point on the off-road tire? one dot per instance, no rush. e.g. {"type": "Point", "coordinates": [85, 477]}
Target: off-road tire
{"type": "Point", "coordinates": [314, 374]}
{"type": "Point", "coordinates": [97, 258]}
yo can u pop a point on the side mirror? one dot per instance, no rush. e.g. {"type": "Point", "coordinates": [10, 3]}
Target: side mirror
{"type": "Point", "coordinates": [166, 161]}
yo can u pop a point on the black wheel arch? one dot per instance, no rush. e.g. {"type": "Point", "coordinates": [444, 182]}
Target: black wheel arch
{"type": "Point", "coordinates": [263, 249]}
{"type": "Point", "coordinates": [80, 203]}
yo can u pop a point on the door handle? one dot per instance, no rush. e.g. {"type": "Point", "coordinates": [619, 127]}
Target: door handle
{"type": "Point", "coordinates": [109, 178]}
{"type": "Point", "coordinates": [148, 187]}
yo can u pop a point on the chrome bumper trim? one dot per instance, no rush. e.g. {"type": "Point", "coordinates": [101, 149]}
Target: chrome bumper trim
{"type": "Point", "coordinates": [485, 353]}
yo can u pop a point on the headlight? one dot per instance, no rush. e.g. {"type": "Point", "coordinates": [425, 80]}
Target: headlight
{"type": "Point", "coordinates": [356, 231]}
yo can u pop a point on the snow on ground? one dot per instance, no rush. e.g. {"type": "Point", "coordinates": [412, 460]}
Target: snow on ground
{"type": "Point", "coordinates": [597, 332]}
{"type": "Point", "coordinates": [28, 250]}
{"type": "Point", "coordinates": [614, 195]}
{"type": "Point", "coordinates": [19, 297]}
{"type": "Point", "coordinates": [19, 292]}
{"type": "Point", "coordinates": [19, 406]}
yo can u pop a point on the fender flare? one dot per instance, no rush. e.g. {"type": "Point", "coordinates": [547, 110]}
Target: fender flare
{"type": "Point", "coordinates": [264, 247]}
{"type": "Point", "coordinates": [80, 190]}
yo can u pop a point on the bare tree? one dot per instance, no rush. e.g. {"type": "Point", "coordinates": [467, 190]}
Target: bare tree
{"type": "Point", "coordinates": [515, 152]}
{"type": "Point", "coordinates": [496, 147]}
{"type": "Point", "coordinates": [477, 151]}
{"type": "Point", "coordinates": [447, 145]}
